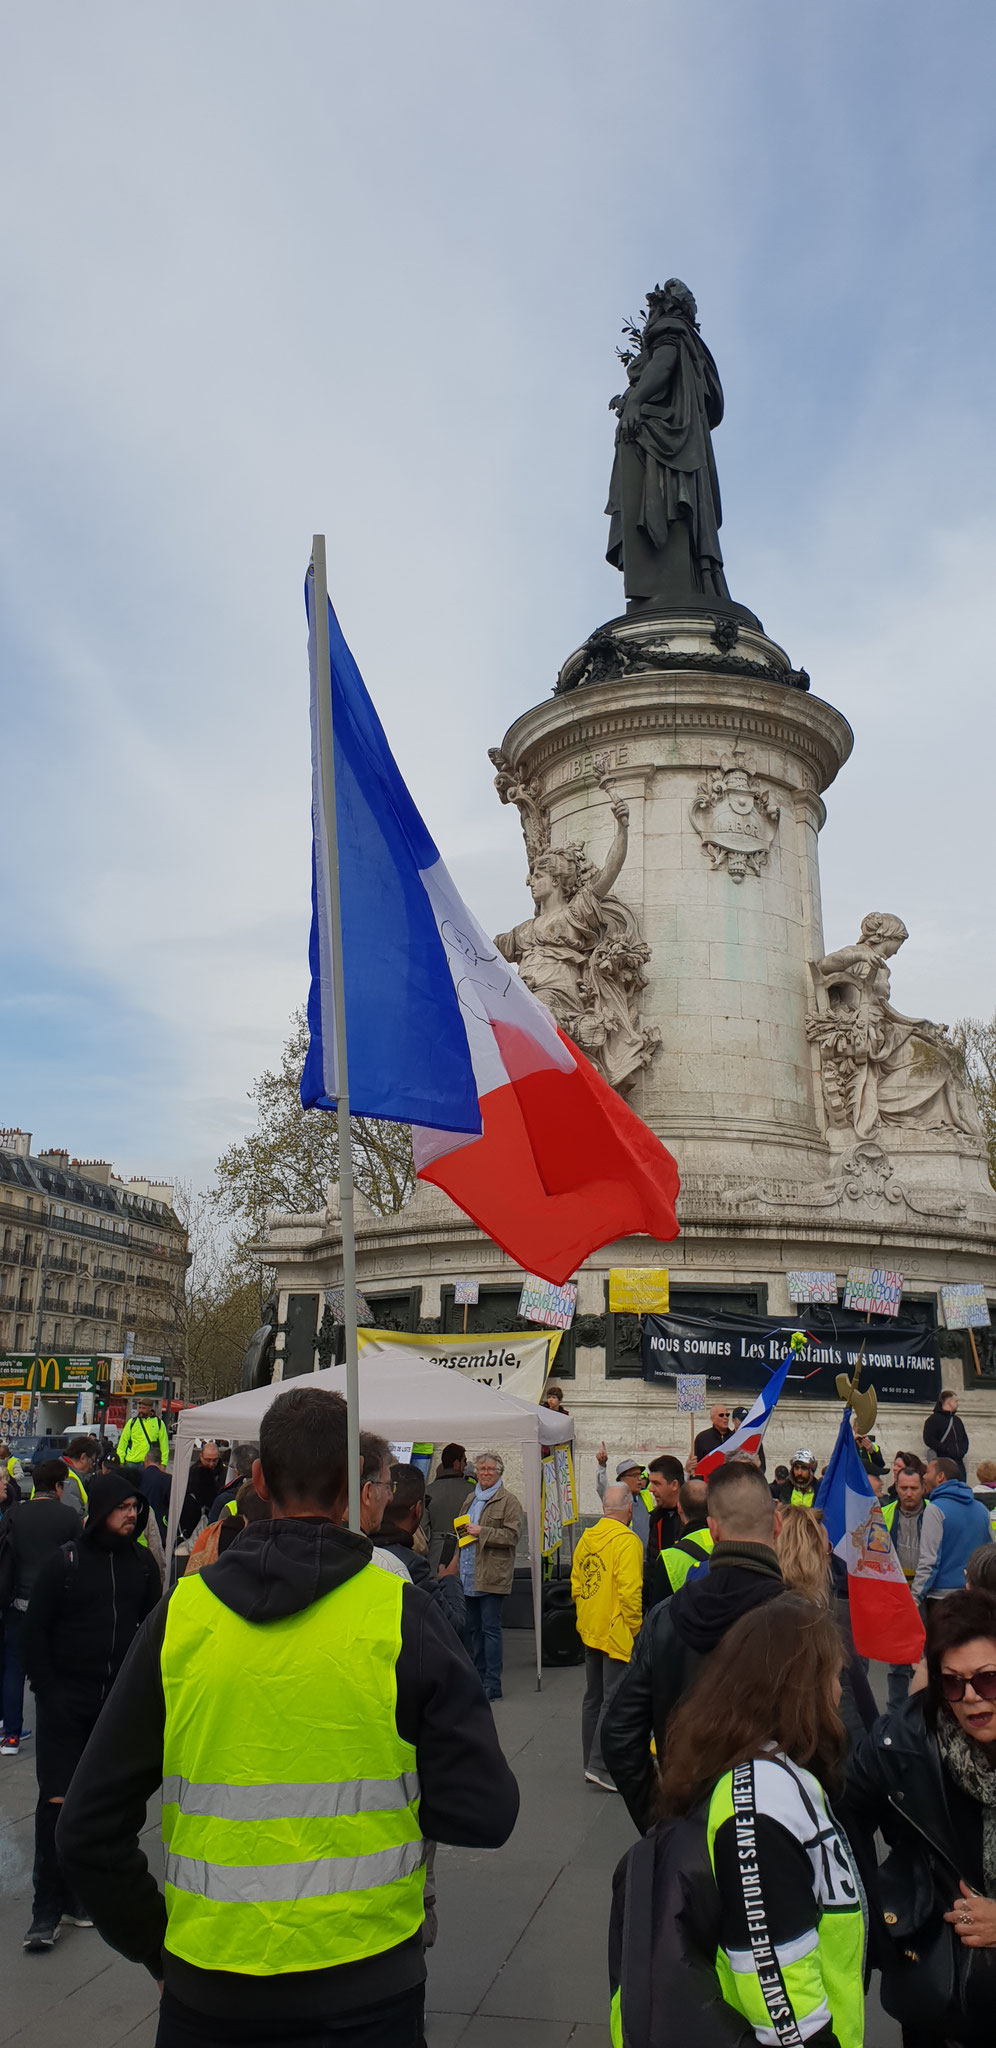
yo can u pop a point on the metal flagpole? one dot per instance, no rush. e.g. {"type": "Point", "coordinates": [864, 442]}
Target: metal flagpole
{"type": "Point", "coordinates": [326, 753]}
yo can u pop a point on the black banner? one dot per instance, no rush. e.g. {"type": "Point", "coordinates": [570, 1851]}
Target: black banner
{"type": "Point", "coordinates": [901, 1363]}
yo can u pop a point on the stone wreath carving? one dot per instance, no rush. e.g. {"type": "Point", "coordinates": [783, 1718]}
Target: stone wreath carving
{"type": "Point", "coordinates": [865, 1175]}
{"type": "Point", "coordinates": [878, 1067]}
{"type": "Point", "coordinates": [734, 817]}
{"type": "Point", "coordinates": [582, 953]}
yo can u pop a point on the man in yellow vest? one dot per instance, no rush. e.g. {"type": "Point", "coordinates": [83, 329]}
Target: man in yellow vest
{"type": "Point", "coordinates": [312, 1720]}
{"type": "Point", "coordinates": [81, 1457]}
{"type": "Point", "coordinates": [145, 1428]}
{"type": "Point", "coordinates": [689, 1553]}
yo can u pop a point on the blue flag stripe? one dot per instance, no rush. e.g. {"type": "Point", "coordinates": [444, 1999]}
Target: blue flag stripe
{"type": "Point", "coordinates": [409, 1059]}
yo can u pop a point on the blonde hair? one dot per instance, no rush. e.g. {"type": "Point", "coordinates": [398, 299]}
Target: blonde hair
{"type": "Point", "coordinates": [803, 1555]}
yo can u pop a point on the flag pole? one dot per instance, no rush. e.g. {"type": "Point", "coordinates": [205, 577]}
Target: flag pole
{"type": "Point", "coordinates": [326, 752]}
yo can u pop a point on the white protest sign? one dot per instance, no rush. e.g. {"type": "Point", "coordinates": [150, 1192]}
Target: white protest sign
{"type": "Point", "coordinates": [811, 1284]}
{"type": "Point", "coordinates": [965, 1305]}
{"type": "Point", "coordinates": [691, 1393]}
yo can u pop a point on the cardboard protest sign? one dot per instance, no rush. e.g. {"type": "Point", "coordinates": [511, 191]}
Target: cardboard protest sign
{"type": "Point", "coordinates": [336, 1300]}
{"type": "Point", "coordinates": [811, 1284]}
{"type": "Point", "coordinates": [691, 1393]}
{"type": "Point", "coordinates": [965, 1305]}
{"type": "Point", "coordinates": [466, 1293]}
{"type": "Point", "coordinates": [542, 1302]}
{"type": "Point", "coordinates": [639, 1290]}
{"type": "Point", "coordinates": [876, 1292]}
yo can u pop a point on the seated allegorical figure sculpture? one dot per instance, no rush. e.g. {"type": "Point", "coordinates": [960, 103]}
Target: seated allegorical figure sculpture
{"type": "Point", "coordinates": [879, 1067]}
{"type": "Point", "coordinates": [583, 956]}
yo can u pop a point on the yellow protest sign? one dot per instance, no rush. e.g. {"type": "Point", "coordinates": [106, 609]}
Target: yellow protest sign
{"type": "Point", "coordinates": [639, 1290]}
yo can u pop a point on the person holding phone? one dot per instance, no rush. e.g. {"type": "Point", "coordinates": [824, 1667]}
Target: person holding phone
{"type": "Point", "coordinates": [926, 1776]}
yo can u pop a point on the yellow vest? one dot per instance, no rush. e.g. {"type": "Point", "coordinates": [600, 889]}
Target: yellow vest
{"type": "Point", "coordinates": [290, 1801]}
{"type": "Point", "coordinates": [678, 1563]}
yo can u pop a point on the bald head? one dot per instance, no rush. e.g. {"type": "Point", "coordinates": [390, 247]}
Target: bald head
{"type": "Point", "coordinates": [740, 1504]}
{"type": "Point", "coordinates": [692, 1501]}
{"type": "Point", "coordinates": [618, 1503]}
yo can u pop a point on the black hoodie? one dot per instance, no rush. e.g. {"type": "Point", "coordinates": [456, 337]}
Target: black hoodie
{"type": "Point", "coordinates": [468, 1794]}
{"type": "Point", "coordinates": [667, 1656]}
{"type": "Point", "coordinates": [88, 1600]}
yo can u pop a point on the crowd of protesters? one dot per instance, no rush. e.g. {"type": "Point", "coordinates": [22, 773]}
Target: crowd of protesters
{"type": "Point", "coordinates": [724, 1700]}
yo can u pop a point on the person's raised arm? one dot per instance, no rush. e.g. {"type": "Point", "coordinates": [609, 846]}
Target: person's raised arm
{"type": "Point", "coordinates": [612, 868]}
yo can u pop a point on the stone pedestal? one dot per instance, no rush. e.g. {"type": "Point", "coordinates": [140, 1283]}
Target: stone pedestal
{"type": "Point", "coordinates": [731, 928]}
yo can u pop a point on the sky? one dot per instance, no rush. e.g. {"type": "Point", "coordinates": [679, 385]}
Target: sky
{"type": "Point", "coordinates": [362, 269]}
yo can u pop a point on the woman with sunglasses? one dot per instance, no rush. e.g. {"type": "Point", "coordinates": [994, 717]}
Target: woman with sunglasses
{"type": "Point", "coordinates": [925, 1775]}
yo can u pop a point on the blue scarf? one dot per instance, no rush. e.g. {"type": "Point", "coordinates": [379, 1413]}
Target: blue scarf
{"type": "Point", "coordinates": [468, 1555]}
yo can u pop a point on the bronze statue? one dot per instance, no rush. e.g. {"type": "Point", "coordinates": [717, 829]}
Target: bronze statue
{"type": "Point", "coordinates": [664, 502]}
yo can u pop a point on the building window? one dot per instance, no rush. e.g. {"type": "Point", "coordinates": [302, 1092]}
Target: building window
{"type": "Point", "coordinates": [623, 1332]}
{"type": "Point", "coordinates": [497, 1310]}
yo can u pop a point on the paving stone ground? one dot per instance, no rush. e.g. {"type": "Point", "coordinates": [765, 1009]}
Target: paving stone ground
{"type": "Point", "coordinates": [520, 1958]}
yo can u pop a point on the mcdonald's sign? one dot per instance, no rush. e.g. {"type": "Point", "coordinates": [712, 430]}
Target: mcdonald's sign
{"type": "Point", "coordinates": [30, 1373]}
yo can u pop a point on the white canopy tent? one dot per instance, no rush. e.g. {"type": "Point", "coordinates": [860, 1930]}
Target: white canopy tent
{"type": "Point", "coordinates": [400, 1398]}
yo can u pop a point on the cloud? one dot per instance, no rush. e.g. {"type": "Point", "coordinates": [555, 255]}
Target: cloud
{"type": "Point", "coordinates": [364, 271]}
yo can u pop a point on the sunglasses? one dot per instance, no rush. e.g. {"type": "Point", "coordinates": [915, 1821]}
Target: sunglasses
{"type": "Point", "coordinates": [983, 1684]}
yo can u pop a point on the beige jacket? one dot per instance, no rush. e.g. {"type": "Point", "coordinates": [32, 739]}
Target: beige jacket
{"type": "Point", "coordinates": [501, 1520]}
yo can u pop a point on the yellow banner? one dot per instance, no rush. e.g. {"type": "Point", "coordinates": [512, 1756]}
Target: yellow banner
{"type": "Point", "coordinates": [639, 1290]}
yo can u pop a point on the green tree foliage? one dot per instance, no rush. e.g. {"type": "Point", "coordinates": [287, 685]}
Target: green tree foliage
{"type": "Point", "coordinates": [290, 1159]}
{"type": "Point", "coordinates": [976, 1040]}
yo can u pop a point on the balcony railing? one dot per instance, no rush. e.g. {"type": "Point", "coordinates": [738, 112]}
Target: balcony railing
{"type": "Point", "coordinates": [8, 1301]}
{"type": "Point", "coordinates": [110, 1273]}
{"type": "Point", "coordinates": [61, 1265]}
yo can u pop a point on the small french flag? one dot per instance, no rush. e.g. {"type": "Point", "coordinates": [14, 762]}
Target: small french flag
{"type": "Point", "coordinates": [750, 1434]}
{"type": "Point", "coordinates": [885, 1621]}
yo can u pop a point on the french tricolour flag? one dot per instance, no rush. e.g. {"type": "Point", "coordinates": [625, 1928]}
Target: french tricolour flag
{"type": "Point", "coordinates": [508, 1117]}
{"type": "Point", "coordinates": [750, 1434]}
{"type": "Point", "coordinates": [885, 1622]}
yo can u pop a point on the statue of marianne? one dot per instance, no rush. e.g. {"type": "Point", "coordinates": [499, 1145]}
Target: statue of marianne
{"type": "Point", "coordinates": [664, 504]}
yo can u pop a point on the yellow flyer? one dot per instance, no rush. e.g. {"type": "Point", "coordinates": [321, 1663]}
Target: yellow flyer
{"type": "Point", "coordinates": [639, 1290]}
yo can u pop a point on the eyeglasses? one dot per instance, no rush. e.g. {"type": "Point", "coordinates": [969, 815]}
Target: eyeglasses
{"type": "Point", "coordinates": [387, 1484]}
{"type": "Point", "coordinates": [953, 1687]}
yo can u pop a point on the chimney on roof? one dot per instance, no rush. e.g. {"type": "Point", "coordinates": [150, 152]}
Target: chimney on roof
{"type": "Point", "coordinates": [55, 1158]}
{"type": "Point", "coordinates": [18, 1142]}
{"type": "Point", "coordinates": [94, 1169]}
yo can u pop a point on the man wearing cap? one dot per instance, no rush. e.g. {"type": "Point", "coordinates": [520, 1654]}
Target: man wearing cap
{"type": "Point", "coordinates": [799, 1489]}
{"type": "Point", "coordinates": [629, 1472]}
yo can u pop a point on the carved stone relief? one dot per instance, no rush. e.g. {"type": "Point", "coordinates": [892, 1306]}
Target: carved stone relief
{"type": "Point", "coordinates": [582, 953]}
{"type": "Point", "coordinates": [734, 817]}
{"type": "Point", "coordinates": [878, 1067]}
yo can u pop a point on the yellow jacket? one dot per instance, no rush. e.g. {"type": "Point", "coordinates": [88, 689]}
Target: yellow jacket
{"type": "Point", "coordinates": [607, 1586]}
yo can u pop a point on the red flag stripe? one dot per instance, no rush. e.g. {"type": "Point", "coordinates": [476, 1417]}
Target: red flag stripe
{"type": "Point", "coordinates": [562, 1168]}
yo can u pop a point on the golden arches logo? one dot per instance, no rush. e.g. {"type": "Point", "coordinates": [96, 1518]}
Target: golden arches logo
{"type": "Point", "coordinates": [38, 1375]}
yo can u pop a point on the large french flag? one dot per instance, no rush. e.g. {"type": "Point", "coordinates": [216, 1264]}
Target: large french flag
{"type": "Point", "coordinates": [750, 1435]}
{"type": "Point", "coordinates": [885, 1621]}
{"type": "Point", "coordinates": [508, 1117]}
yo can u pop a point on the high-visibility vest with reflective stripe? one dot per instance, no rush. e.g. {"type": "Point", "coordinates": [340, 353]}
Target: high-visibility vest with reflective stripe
{"type": "Point", "coordinates": [134, 1440]}
{"type": "Point", "coordinates": [84, 1496]}
{"type": "Point", "coordinates": [819, 1977]}
{"type": "Point", "coordinates": [290, 1801]}
{"type": "Point", "coordinates": [679, 1561]}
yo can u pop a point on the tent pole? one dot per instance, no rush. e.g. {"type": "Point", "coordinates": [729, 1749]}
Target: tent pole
{"type": "Point", "coordinates": [327, 768]}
